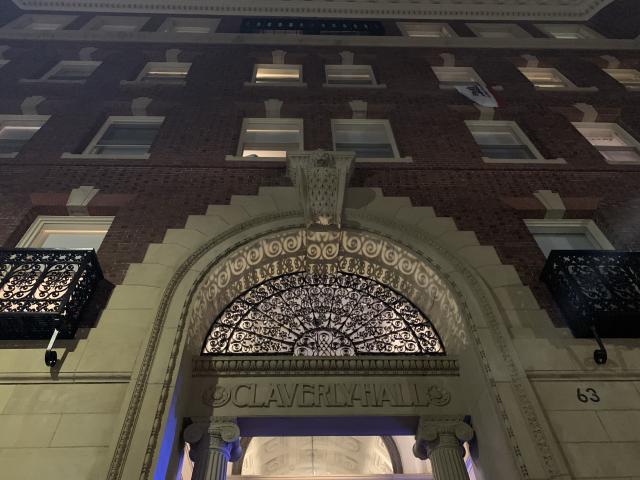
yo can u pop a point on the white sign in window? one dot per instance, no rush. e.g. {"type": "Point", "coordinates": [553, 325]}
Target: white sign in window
{"type": "Point", "coordinates": [164, 72]}
{"type": "Point", "coordinates": [17, 130]}
{"type": "Point", "coordinates": [456, 76]}
{"type": "Point", "coordinates": [277, 74]}
{"type": "Point", "coordinates": [125, 136]}
{"type": "Point", "coordinates": [270, 137]}
{"type": "Point", "coordinates": [349, 75]}
{"type": "Point", "coordinates": [367, 138]}
{"type": "Point", "coordinates": [71, 71]}
{"type": "Point", "coordinates": [629, 77]}
{"type": "Point", "coordinates": [66, 232]}
{"type": "Point", "coordinates": [612, 141]}
{"type": "Point", "coordinates": [424, 29]}
{"type": "Point", "coordinates": [502, 140]}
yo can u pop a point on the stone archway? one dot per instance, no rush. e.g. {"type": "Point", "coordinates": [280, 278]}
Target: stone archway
{"type": "Point", "coordinates": [442, 270]}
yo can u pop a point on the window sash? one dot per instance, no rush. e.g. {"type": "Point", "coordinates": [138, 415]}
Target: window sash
{"type": "Point", "coordinates": [278, 74]}
{"type": "Point", "coordinates": [72, 71]}
{"type": "Point", "coordinates": [14, 136]}
{"type": "Point", "coordinates": [126, 138]}
{"type": "Point", "coordinates": [367, 140]}
{"type": "Point", "coordinates": [264, 139]}
{"type": "Point", "coordinates": [516, 152]}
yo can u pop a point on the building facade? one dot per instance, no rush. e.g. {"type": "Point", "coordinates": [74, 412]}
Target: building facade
{"type": "Point", "coordinates": [333, 239]}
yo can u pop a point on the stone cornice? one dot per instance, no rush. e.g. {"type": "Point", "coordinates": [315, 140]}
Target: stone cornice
{"type": "Point", "coordinates": [609, 45]}
{"type": "Point", "coordinates": [324, 366]}
{"type": "Point", "coordinates": [431, 9]}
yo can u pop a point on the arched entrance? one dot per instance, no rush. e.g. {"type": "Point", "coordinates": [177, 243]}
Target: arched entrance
{"type": "Point", "coordinates": [421, 268]}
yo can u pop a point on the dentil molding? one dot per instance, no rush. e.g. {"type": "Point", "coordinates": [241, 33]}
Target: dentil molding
{"type": "Point", "coordinates": [414, 9]}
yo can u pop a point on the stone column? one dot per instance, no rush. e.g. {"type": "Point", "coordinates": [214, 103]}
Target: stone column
{"type": "Point", "coordinates": [441, 441]}
{"type": "Point", "coordinates": [213, 445]}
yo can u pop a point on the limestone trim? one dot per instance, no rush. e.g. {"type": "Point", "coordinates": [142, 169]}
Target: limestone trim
{"type": "Point", "coordinates": [288, 366]}
{"type": "Point", "coordinates": [602, 45]}
{"type": "Point", "coordinates": [474, 9]}
{"type": "Point", "coordinates": [461, 262]}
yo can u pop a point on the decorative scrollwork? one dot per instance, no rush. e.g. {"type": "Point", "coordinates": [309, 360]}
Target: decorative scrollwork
{"type": "Point", "coordinates": [44, 289]}
{"type": "Point", "coordinates": [309, 314]}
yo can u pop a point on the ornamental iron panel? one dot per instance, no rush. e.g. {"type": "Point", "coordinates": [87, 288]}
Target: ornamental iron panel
{"type": "Point", "coordinates": [43, 289]}
{"type": "Point", "coordinates": [595, 288]}
{"type": "Point", "coordinates": [322, 314]}
{"type": "Point", "coordinates": [307, 26]}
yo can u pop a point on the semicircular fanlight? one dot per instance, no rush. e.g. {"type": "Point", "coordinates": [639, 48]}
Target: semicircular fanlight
{"type": "Point", "coordinates": [306, 314]}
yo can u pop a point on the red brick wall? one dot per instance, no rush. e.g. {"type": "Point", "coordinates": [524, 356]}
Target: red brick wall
{"type": "Point", "coordinates": [187, 170]}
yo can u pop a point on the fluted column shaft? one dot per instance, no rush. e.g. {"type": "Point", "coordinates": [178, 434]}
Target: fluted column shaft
{"type": "Point", "coordinates": [442, 443]}
{"type": "Point", "coordinates": [213, 445]}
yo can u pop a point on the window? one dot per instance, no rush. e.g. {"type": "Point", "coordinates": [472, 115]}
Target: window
{"type": "Point", "coordinates": [612, 141]}
{"type": "Point", "coordinates": [502, 141]}
{"type": "Point", "coordinates": [71, 71]}
{"type": "Point", "coordinates": [190, 26]}
{"type": "Point", "coordinates": [546, 78]}
{"type": "Point", "coordinates": [66, 232]}
{"type": "Point", "coordinates": [164, 72]}
{"type": "Point", "coordinates": [498, 30]}
{"type": "Point", "coordinates": [277, 74]}
{"type": "Point", "coordinates": [349, 75]}
{"type": "Point", "coordinates": [3, 63]}
{"type": "Point", "coordinates": [568, 31]}
{"type": "Point", "coordinates": [567, 234]}
{"type": "Point", "coordinates": [41, 22]}
{"type": "Point", "coordinates": [369, 139]}
{"type": "Point", "coordinates": [450, 77]}
{"type": "Point", "coordinates": [125, 136]}
{"type": "Point", "coordinates": [630, 78]}
{"type": "Point", "coordinates": [429, 30]}
{"type": "Point", "coordinates": [105, 23]}
{"type": "Point", "coordinates": [16, 130]}
{"type": "Point", "coordinates": [270, 137]}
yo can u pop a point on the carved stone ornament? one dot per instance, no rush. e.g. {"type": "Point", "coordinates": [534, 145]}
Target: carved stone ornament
{"type": "Point", "coordinates": [321, 179]}
{"type": "Point", "coordinates": [435, 432]}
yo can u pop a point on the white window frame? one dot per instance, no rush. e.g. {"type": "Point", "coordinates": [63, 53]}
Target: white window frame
{"type": "Point", "coordinates": [568, 85]}
{"type": "Point", "coordinates": [47, 76]}
{"type": "Point", "coordinates": [520, 135]}
{"type": "Point", "coordinates": [515, 30]}
{"type": "Point", "coordinates": [25, 22]}
{"type": "Point", "coordinates": [298, 83]}
{"type": "Point", "coordinates": [275, 121]}
{"type": "Point", "coordinates": [3, 62]}
{"type": "Point", "coordinates": [621, 132]}
{"type": "Point", "coordinates": [96, 23]}
{"type": "Point", "coordinates": [570, 226]}
{"type": "Point", "coordinates": [430, 29]}
{"type": "Point", "coordinates": [25, 120]}
{"type": "Point", "coordinates": [36, 234]}
{"type": "Point", "coordinates": [551, 29]}
{"type": "Point", "coordinates": [370, 121]}
{"type": "Point", "coordinates": [613, 71]}
{"type": "Point", "coordinates": [151, 65]}
{"type": "Point", "coordinates": [86, 153]}
{"type": "Point", "coordinates": [354, 68]}
{"type": "Point", "coordinates": [171, 24]}
{"type": "Point", "coordinates": [452, 84]}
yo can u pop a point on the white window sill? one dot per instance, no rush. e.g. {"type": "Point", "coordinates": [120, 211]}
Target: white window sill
{"type": "Point", "coordinates": [345, 85]}
{"type": "Point", "coordinates": [152, 82]}
{"type": "Point", "coordinates": [385, 160]}
{"type": "Point", "coordinates": [529, 161]}
{"type": "Point", "coordinates": [99, 156]}
{"type": "Point", "coordinates": [275, 84]}
{"type": "Point", "coordinates": [451, 86]}
{"type": "Point", "coordinates": [234, 158]}
{"type": "Point", "coordinates": [614, 162]}
{"type": "Point", "coordinates": [566, 89]}
{"type": "Point", "coordinates": [54, 81]}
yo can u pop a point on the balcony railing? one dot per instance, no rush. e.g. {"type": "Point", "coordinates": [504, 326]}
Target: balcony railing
{"type": "Point", "coordinates": [596, 288]}
{"type": "Point", "coordinates": [42, 289]}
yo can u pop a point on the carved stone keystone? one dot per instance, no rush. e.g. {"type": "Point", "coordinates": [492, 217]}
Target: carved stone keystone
{"type": "Point", "coordinates": [321, 179]}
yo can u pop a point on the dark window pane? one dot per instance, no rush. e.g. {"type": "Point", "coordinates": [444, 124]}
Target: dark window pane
{"type": "Point", "coordinates": [129, 134]}
{"type": "Point", "coordinates": [367, 150]}
{"type": "Point", "coordinates": [507, 151]}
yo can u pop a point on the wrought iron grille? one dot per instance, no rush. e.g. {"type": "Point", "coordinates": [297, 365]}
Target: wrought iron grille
{"type": "Point", "coordinates": [307, 26]}
{"type": "Point", "coordinates": [599, 288]}
{"type": "Point", "coordinates": [305, 314]}
{"type": "Point", "coordinates": [43, 289]}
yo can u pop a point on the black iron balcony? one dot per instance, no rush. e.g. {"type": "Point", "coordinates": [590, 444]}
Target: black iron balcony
{"type": "Point", "coordinates": [598, 289]}
{"type": "Point", "coordinates": [42, 290]}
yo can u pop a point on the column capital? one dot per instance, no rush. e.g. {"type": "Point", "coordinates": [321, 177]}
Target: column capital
{"type": "Point", "coordinates": [433, 432]}
{"type": "Point", "coordinates": [219, 433]}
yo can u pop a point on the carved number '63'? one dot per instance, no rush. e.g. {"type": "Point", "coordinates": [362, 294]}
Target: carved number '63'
{"type": "Point", "coordinates": [593, 396]}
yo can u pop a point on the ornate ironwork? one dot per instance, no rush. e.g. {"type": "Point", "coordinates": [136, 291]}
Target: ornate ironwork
{"type": "Point", "coordinates": [43, 289]}
{"type": "Point", "coordinates": [308, 314]}
{"type": "Point", "coordinates": [596, 288]}
{"type": "Point", "coordinates": [309, 26]}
